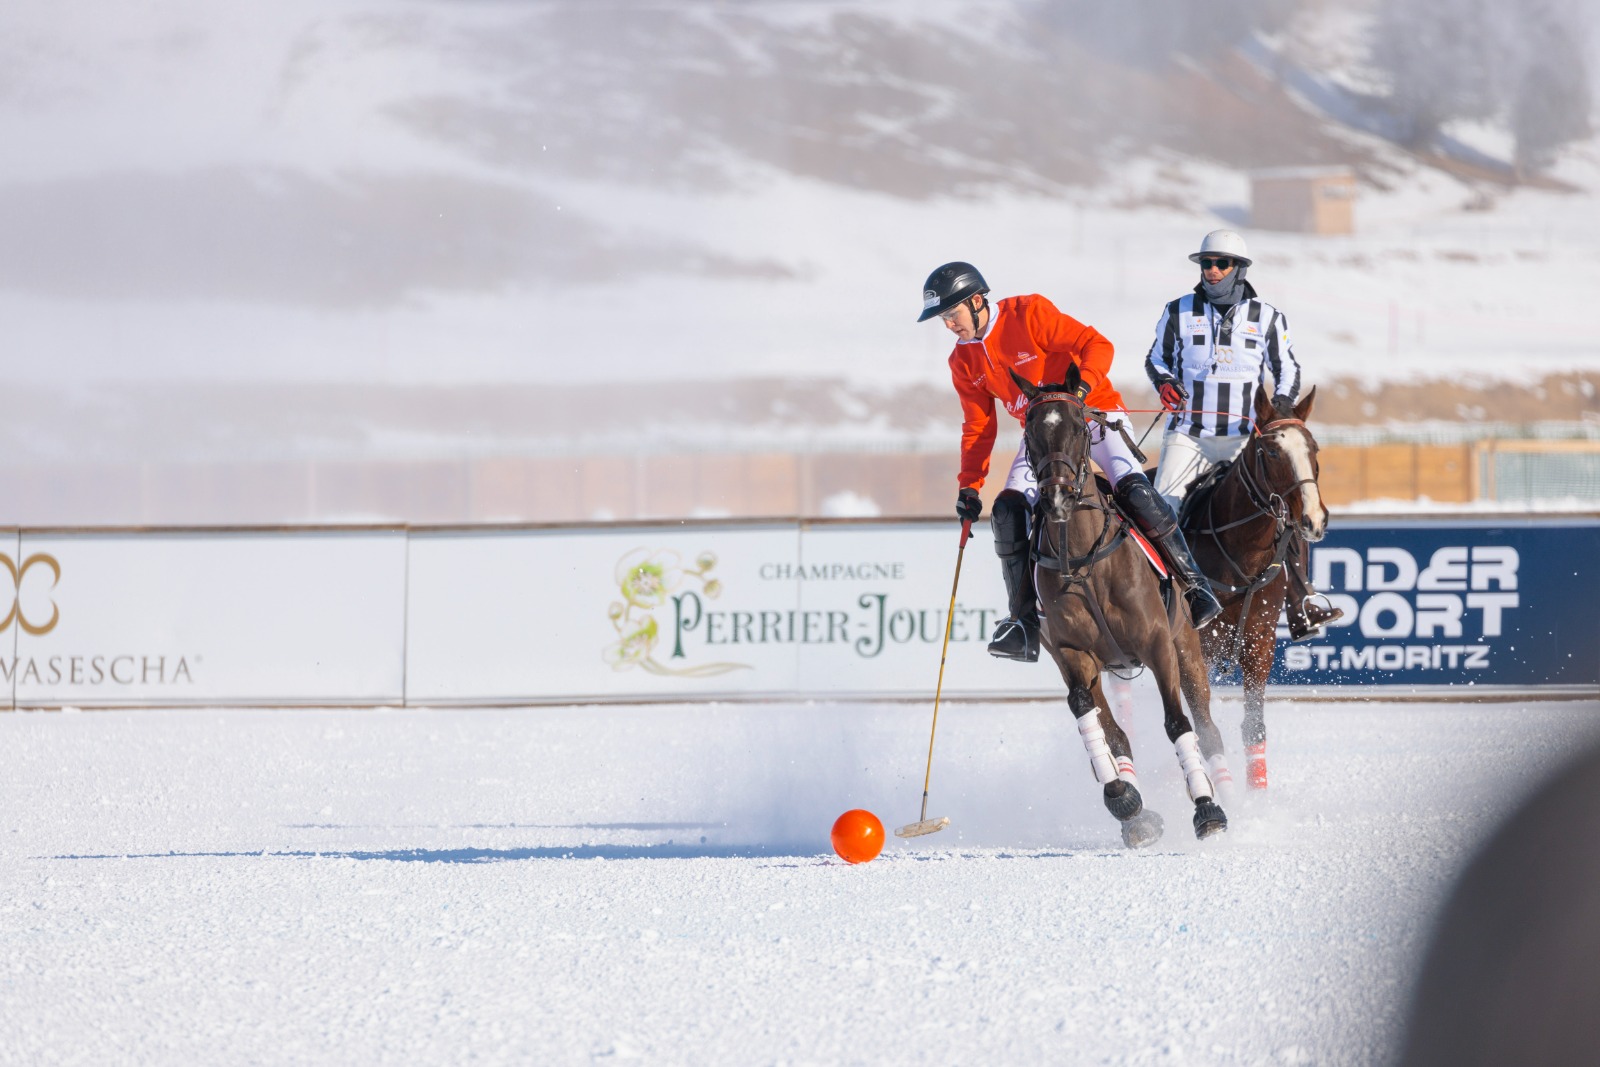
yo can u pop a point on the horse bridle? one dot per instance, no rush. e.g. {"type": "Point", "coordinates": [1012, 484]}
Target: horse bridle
{"type": "Point", "coordinates": [1267, 498]}
{"type": "Point", "coordinates": [1270, 502]}
{"type": "Point", "coordinates": [1054, 556]}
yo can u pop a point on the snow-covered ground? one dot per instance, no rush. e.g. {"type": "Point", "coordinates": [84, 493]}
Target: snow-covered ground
{"type": "Point", "coordinates": [567, 885]}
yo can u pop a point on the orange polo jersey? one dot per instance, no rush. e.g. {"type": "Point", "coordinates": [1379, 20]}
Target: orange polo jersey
{"type": "Point", "coordinates": [1028, 335]}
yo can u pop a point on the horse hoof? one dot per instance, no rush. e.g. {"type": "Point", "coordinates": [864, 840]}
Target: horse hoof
{"type": "Point", "coordinates": [1123, 800]}
{"type": "Point", "coordinates": [1142, 830]}
{"type": "Point", "coordinates": [1208, 818]}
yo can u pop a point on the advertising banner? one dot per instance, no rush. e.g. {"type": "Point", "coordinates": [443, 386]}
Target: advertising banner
{"type": "Point", "coordinates": [1457, 603]}
{"type": "Point", "coordinates": [10, 542]}
{"type": "Point", "coordinates": [207, 617]}
{"type": "Point", "coordinates": [712, 611]}
{"type": "Point", "coordinates": [676, 612]}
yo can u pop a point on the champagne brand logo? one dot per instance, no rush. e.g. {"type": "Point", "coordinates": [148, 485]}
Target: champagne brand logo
{"type": "Point", "coordinates": [648, 580]}
{"type": "Point", "coordinates": [671, 612]}
{"type": "Point", "coordinates": [17, 613]}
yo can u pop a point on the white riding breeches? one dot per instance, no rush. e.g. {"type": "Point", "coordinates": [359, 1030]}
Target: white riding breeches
{"type": "Point", "coordinates": [1185, 458]}
{"type": "Point", "coordinates": [1106, 447]}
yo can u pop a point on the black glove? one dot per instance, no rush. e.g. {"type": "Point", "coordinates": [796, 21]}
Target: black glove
{"type": "Point", "coordinates": [969, 505]}
{"type": "Point", "coordinates": [1283, 406]}
{"type": "Point", "coordinates": [1082, 391]}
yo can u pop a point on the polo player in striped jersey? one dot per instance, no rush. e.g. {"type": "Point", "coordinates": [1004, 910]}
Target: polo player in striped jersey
{"type": "Point", "coordinates": [1212, 348]}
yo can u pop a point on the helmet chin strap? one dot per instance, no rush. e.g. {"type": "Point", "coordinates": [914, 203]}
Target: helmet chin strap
{"type": "Point", "coordinates": [983, 306]}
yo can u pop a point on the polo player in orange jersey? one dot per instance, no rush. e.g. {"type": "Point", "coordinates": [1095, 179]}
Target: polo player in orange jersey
{"type": "Point", "coordinates": [1028, 335]}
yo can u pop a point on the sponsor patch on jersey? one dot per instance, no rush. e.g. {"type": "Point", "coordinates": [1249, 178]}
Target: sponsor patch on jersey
{"type": "Point", "coordinates": [1025, 357]}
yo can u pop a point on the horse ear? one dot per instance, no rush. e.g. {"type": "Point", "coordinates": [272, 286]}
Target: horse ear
{"type": "Point", "coordinates": [1302, 410]}
{"type": "Point", "coordinates": [1029, 390]}
{"type": "Point", "coordinates": [1074, 378]}
{"type": "Point", "coordinates": [1264, 410]}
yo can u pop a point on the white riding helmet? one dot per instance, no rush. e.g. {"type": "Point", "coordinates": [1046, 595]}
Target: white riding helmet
{"type": "Point", "coordinates": [1222, 243]}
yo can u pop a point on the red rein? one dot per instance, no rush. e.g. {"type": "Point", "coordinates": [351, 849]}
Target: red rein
{"type": "Point", "coordinates": [1273, 425]}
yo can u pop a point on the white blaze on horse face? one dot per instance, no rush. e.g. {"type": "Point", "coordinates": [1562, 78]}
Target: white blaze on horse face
{"type": "Point", "coordinates": [1055, 499]}
{"type": "Point", "coordinates": [1297, 446]}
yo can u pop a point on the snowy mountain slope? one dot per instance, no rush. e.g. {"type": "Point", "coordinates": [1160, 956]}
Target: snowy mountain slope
{"type": "Point", "coordinates": [428, 192]}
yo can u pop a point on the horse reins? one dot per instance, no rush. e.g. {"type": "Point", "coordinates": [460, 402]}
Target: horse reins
{"type": "Point", "coordinates": [1075, 570]}
{"type": "Point", "coordinates": [1262, 496]}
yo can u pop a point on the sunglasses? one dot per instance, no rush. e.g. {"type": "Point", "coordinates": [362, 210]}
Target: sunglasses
{"type": "Point", "coordinates": [950, 316]}
{"type": "Point", "coordinates": [1221, 263]}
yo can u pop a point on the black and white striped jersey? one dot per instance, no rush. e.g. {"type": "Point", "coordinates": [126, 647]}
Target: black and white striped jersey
{"type": "Point", "coordinates": [1219, 358]}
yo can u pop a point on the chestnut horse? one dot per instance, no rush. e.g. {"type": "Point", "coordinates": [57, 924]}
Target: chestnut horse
{"type": "Point", "coordinates": [1242, 530]}
{"type": "Point", "coordinates": [1101, 607]}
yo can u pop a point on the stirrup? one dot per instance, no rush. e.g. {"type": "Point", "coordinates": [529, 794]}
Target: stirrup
{"type": "Point", "coordinates": [1014, 640]}
{"type": "Point", "coordinates": [1205, 612]}
{"type": "Point", "coordinates": [1301, 626]}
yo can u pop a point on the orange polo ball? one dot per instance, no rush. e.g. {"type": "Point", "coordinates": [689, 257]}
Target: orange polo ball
{"type": "Point", "coordinates": [857, 836]}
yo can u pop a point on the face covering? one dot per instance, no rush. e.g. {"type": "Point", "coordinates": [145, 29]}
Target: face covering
{"type": "Point", "coordinates": [1227, 292]}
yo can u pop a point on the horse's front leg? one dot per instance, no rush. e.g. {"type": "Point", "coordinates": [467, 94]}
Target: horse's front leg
{"type": "Point", "coordinates": [1081, 672]}
{"type": "Point", "coordinates": [1208, 814]}
{"type": "Point", "coordinates": [1194, 678]}
{"type": "Point", "coordinates": [1116, 737]}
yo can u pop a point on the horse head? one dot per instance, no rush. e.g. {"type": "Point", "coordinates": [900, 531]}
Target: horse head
{"type": "Point", "coordinates": [1058, 440]}
{"type": "Point", "coordinates": [1285, 460]}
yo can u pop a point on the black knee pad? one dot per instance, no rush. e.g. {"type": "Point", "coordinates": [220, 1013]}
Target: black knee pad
{"type": "Point", "coordinates": [1008, 517]}
{"type": "Point", "coordinates": [1145, 506]}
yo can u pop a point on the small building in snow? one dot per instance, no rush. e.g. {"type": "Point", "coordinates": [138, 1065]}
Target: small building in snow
{"type": "Point", "coordinates": [1303, 199]}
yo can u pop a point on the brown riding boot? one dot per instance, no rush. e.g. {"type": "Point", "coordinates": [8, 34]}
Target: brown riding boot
{"type": "Point", "coordinates": [1308, 610]}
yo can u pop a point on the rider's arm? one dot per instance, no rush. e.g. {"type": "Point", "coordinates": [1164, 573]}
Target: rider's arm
{"type": "Point", "coordinates": [1285, 369]}
{"type": "Point", "coordinates": [978, 425]}
{"type": "Point", "coordinates": [1162, 364]}
{"type": "Point", "coordinates": [1065, 341]}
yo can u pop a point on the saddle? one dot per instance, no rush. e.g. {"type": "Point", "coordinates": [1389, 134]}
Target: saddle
{"type": "Point", "coordinates": [1200, 491]}
{"type": "Point", "coordinates": [1157, 564]}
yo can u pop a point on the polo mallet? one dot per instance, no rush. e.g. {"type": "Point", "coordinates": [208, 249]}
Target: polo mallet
{"type": "Point", "coordinates": [925, 825]}
{"type": "Point", "coordinates": [1147, 429]}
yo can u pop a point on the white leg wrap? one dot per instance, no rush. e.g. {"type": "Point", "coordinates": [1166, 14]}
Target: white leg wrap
{"type": "Point", "coordinates": [1221, 777]}
{"type": "Point", "coordinates": [1125, 771]}
{"type": "Point", "coordinates": [1194, 766]}
{"type": "Point", "coordinates": [1094, 742]}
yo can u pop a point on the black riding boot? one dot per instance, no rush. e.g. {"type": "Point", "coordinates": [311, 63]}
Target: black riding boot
{"type": "Point", "coordinates": [1140, 502]}
{"type": "Point", "coordinates": [1016, 637]}
{"type": "Point", "coordinates": [1307, 618]}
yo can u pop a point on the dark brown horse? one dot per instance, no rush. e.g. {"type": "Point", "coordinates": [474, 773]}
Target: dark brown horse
{"type": "Point", "coordinates": [1101, 606]}
{"type": "Point", "coordinates": [1243, 530]}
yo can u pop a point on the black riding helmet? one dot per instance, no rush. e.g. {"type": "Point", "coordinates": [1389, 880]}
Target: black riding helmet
{"type": "Point", "coordinates": [948, 286]}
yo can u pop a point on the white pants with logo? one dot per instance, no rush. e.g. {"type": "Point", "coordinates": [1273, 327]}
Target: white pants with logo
{"type": "Point", "coordinates": [1185, 458]}
{"type": "Point", "coordinates": [1106, 447]}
